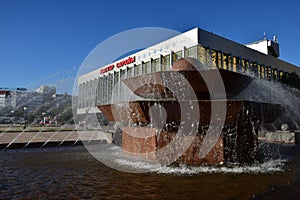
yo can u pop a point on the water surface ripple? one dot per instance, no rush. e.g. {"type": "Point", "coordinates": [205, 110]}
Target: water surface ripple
{"type": "Point", "coordinates": [72, 173]}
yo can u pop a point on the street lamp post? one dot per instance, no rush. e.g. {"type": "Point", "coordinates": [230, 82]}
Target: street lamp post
{"type": "Point", "coordinates": [43, 118]}
{"type": "Point", "coordinates": [12, 114]}
{"type": "Point", "coordinates": [26, 117]}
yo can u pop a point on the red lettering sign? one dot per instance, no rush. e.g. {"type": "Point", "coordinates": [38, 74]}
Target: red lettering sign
{"type": "Point", "coordinates": [122, 63]}
{"type": "Point", "coordinates": [126, 62]}
{"type": "Point", "coordinates": [106, 69]}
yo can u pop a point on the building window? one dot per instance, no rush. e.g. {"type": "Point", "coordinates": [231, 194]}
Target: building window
{"type": "Point", "coordinates": [245, 66]}
{"type": "Point", "coordinates": [165, 62]}
{"type": "Point", "coordinates": [259, 70]}
{"type": "Point", "coordinates": [100, 91]}
{"type": "Point", "coordinates": [176, 56]}
{"type": "Point", "coordinates": [104, 93]}
{"type": "Point", "coordinates": [262, 71]}
{"type": "Point", "coordinates": [117, 84]}
{"type": "Point", "coordinates": [109, 87]}
{"type": "Point", "coordinates": [275, 74]}
{"type": "Point", "coordinates": [234, 63]}
{"type": "Point", "coordinates": [253, 68]}
{"type": "Point", "coordinates": [155, 65]}
{"type": "Point", "coordinates": [116, 77]}
{"type": "Point", "coordinates": [129, 72]}
{"type": "Point", "coordinates": [239, 64]}
{"type": "Point", "coordinates": [268, 72]}
{"type": "Point", "coordinates": [208, 57]}
{"type": "Point", "coordinates": [145, 67]}
{"type": "Point", "coordinates": [225, 61]}
{"type": "Point", "coordinates": [89, 93]}
{"type": "Point", "coordinates": [256, 68]}
{"type": "Point", "coordinates": [201, 55]}
{"type": "Point", "coordinates": [280, 75]}
{"type": "Point", "coordinates": [229, 61]}
{"type": "Point", "coordinates": [192, 52]}
{"type": "Point", "coordinates": [219, 59]}
{"type": "Point", "coordinates": [80, 96]}
{"type": "Point", "coordinates": [94, 91]}
{"type": "Point", "coordinates": [214, 60]}
{"type": "Point", "coordinates": [144, 70]}
{"type": "Point", "coordinates": [123, 74]}
{"type": "Point", "coordinates": [85, 95]}
{"type": "Point", "coordinates": [137, 70]}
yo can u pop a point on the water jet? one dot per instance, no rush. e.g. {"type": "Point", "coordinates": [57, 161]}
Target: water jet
{"type": "Point", "coordinates": [238, 140]}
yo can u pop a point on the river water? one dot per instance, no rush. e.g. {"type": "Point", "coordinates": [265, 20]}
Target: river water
{"type": "Point", "coordinates": [72, 173]}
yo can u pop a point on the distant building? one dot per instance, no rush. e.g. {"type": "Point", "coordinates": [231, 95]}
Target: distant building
{"type": "Point", "coordinates": [10, 96]}
{"type": "Point", "coordinates": [19, 97]}
{"type": "Point", "coordinates": [3, 97]}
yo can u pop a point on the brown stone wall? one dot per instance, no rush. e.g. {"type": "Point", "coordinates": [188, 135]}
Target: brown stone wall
{"type": "Point", "coordinates": [133, 143]}
{"type": "Point", "coordinates": [139, 141]}
{"type": "Point", "coordinates": [191, 155]}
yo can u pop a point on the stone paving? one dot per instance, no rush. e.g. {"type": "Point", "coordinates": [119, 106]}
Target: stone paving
{"type": "Point", "coordinates": [29, 137]}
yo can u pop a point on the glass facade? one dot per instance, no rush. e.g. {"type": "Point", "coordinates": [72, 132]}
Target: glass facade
{"type": "Point", "coordinates": [176, 56]}
{"type": "Point", "coordinates": [99, 90]}
{"type": "Point", "coordinates": [88, 92]}
{"type": "Point", "coordinates": [137, 70]}
{"type": "Point", "coordinates": [201, 54]}
{"type": "Point", "coordinates": [146, 67]}
{"type": "Point", "coordinates": [130, 72]}
{"type": "Point", "coordinates": [155, 65]}
{"type": "Point", "coordinates": [166, 64]}
{"type": "Point", "coordinates": [234, 64]}
{"type": "Point", "coordinates": [192, 52]}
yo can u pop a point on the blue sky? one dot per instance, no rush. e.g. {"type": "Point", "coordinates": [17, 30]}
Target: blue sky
{"type": "Point", "coordinates": [44, 41]}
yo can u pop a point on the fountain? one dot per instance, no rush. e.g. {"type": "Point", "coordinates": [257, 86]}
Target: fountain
{"type": "Point", "coordinates": [146, 135]}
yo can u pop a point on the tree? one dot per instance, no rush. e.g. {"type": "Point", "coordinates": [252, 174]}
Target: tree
{"type": "Point", "coordinates": [67, 115]}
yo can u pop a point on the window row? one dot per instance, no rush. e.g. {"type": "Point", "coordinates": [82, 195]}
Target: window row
{"type": "Point", "coordinates": [87, 93]}
{"type": "Point", "coordinates": [217, 59]}
{"type": "Point", "coordinates": [99, 91]}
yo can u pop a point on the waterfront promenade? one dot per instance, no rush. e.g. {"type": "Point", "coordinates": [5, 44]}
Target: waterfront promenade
{"type": "Point", "coordinates": [66, 135]}
{"type": "Point", "coordinates": [37, 136]}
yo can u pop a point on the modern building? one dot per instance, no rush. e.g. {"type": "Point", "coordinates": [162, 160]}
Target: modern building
{"type": "Point", "coordinates": [260, 58]}
{"type": "Point", "coordinates": [19, 97]}
{"type": "Point", "coordinates": [3, 97]}
{"type": "Point", "coordinates": [9, 96]}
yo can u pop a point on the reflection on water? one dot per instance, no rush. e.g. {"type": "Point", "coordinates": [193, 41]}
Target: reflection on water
{"type": "Point", "coordinates": [72, 173]}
